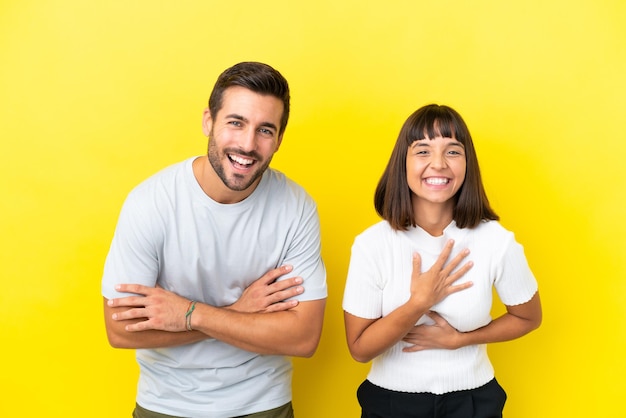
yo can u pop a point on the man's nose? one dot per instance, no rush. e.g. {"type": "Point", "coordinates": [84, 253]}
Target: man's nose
{"type": "Point", "coordinates": [247, 140]}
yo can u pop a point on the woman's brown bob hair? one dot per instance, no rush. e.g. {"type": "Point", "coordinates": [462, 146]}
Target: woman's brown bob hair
{"type": "Point", "coordinates": [392, 199]}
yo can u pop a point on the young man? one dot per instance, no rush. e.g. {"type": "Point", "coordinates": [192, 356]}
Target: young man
{"type": "Point", "coordinates": [194, 276]}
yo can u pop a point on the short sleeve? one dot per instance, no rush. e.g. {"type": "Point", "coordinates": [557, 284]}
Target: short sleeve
{"type": "Point", "coordinates": [132, 256]}
{"type": "Point", "coordinates": [304, 253]}
{"type": "Point", "coordinates": [515, 282]}
{"type": "Point", "coordinates": [363, 293]}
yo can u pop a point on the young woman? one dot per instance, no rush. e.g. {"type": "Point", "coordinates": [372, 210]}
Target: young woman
{"type": "Point", "coordinates": [418, 296]}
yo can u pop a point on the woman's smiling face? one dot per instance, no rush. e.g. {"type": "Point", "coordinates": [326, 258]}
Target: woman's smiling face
{"type": "Point", "coordinates": [435, 169]}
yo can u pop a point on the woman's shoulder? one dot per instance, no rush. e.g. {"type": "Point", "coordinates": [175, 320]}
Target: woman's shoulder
{"type": "Point", "coordinates": [376, 234]}
{"type": "Point", "coordinates": [491, 227]}
{"type": "Point", "coordinates": [377, 230]}
{"type": "Point", "coordinates": [381, 237]}
{"type": "Point", "coordinates": [490, 234]}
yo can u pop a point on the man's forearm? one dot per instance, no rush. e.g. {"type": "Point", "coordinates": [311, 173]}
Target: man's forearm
{"type": "Point", "coordinates": [119, 337]}
{"type": "Point", "coordinates": [293, 332]}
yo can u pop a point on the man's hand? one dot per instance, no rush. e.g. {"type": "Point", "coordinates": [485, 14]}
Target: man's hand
{"type": "Point", "coordinates": [161, 309]}
{"type": "Point", "coordinates": [268, 295]}
{"type": "Point", "coordinates": [439, 335]}
{"type": "Point", "coordinates": [165, 311]}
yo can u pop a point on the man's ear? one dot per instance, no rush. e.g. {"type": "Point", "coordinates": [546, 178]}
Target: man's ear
{"type": "Point", "coordinates": [207, 122]}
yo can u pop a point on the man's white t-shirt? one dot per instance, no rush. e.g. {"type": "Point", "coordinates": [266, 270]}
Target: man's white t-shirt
{"type": "Point", "coordinates": [171, 234]}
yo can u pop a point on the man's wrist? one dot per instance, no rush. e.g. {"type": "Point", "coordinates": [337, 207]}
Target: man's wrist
{"type": "Point", "coordinates": [190, 309]}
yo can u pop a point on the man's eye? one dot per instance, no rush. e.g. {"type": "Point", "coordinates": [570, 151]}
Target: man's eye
{"type": "Point", "coordinates": [266, 131]}
{"type": "Point", "coordinates": [235, 123]}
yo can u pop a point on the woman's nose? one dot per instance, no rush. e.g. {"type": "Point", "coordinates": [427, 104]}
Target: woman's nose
{"type": "Point", "coordinates": [438, 161]}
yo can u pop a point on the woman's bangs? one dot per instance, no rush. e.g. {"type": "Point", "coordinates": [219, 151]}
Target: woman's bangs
{"type": "Point", "coordinates": [433, 127]}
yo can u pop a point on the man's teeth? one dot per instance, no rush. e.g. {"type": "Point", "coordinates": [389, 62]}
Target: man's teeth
{"type": "Point", "coordinates": [240, 160]}
{"type": "Point", "coordinates": [436, 180]}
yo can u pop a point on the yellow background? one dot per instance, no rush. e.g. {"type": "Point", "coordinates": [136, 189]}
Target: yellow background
{"type": "Point", "coordinates": [97, 95]}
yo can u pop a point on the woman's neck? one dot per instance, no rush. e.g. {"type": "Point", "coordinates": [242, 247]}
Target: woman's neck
{"type": "Point", "coordinates": [433, 217]}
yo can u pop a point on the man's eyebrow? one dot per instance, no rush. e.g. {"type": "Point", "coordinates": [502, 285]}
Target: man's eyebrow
{"type": "Point", "coordinates": [269, 125]}
{"type": "Point", "coordinates": [236, 116]}
{"type": "Point", "coordinates": [243, 119]}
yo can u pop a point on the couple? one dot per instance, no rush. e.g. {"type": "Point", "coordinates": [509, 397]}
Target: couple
{"type": "Point", "coordinates": [215, 275]}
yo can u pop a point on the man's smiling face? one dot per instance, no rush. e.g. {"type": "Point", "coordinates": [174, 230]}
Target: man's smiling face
{"type": "Point", "coordinates": [243, 138]}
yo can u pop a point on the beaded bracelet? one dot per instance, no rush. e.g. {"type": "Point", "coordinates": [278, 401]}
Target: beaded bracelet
{"type": "Point", "coordinates": [192, 306]}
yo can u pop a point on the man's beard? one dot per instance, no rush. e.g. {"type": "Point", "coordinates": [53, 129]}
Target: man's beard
{"type": "Point", "coordinates": [237, 183]}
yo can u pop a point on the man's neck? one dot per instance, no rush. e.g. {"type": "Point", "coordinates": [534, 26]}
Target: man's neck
{"type": "Point", "coordinates": [214, 187]}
